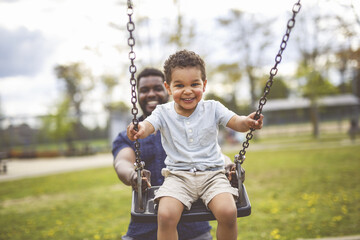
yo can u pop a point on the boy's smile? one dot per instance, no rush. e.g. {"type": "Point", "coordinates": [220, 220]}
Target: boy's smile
{"type": "Point", "coordinates": [187, 89]}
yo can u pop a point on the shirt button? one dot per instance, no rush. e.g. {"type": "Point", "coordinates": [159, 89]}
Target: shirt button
{"type": "Point", "coordinates": [190, 130]}
{"type": "Point", "coordinates": [187, 123]}
{"type": "Point", "coordinates": [191, 140]}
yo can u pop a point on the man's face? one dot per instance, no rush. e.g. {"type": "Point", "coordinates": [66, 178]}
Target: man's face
{"type": "Point", "coordinates": [151, 93]}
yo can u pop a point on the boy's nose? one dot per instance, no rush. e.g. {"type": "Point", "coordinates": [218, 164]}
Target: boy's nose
{"type": "Point", "coordinates": [187, 90]}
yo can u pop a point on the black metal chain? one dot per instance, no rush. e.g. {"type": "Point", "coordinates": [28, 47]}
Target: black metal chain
{"type": "Point", "coordinates": [139, 165]}
{"type": "Point", "coordinates": [240, 158]}
{"type": "Point", "coordinates": [132, 69]}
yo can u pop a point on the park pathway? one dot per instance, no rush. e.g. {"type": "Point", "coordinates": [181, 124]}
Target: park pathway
{"type": "Point", "coordinates": [25, 168]}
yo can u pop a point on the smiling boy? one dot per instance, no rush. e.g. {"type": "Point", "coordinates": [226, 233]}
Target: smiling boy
{"type": "Point", "coordinates": [194, 163]}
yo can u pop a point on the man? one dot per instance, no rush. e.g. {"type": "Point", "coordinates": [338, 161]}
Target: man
{"type": "Point", "coordinates": [151, 92]}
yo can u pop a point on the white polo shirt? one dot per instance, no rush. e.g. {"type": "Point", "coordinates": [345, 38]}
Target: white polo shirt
{"type": "Point", "coordinates": [191, 142]}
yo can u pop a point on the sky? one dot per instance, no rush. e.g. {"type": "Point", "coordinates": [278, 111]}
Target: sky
{"type": "Point", "coordinates": [37, 35]}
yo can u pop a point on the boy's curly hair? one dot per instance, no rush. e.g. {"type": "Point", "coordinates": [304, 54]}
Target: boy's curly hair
{"type": "Point", "coordinates": [183, 59]}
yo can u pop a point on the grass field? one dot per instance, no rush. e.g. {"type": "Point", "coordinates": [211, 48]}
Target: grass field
{"type": "Point", "coordinates": [307, 190]}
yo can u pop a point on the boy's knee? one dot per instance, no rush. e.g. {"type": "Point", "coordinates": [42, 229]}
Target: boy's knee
{"type": "Point", "coordinates": [228, 215]}
{"type": "Point", "coordinates": [167, 218]}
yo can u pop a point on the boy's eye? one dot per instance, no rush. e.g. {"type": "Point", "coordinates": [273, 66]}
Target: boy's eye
{"type": "Point", "coordinates": [179, 85]}
{"type": "Point", "coordinates": [195, 84]}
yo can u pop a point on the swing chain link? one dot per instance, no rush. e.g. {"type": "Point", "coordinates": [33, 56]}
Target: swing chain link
{"type": "Point", "coordinates": [291, 23]}
{"type": "Point", "coordinates": [139, 165]}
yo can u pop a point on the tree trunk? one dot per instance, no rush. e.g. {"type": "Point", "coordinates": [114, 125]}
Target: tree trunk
{"type": "Point", "coordinates": [314, 115]}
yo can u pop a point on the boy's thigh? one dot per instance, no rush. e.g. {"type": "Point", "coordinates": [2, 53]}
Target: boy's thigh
{"type": "Point", "coordinates": [216, 183]}
{"type": "Point", "coordinates": [178, 185]}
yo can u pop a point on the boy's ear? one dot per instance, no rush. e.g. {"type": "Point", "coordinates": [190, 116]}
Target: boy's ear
{"type": "Point", "coordinates": [167, 86]}
{"type": "Point", "coordinates": [205, 82]}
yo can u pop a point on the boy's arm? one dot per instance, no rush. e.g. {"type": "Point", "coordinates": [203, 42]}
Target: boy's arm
{"type": "Point", "coordinates": [244, 123]}
{"type": "Point", "coordinates": [145, 128]}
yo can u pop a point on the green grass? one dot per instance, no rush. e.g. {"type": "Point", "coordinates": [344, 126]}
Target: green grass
{"type": "Point", "coordinates": [294, 194]}
{"type": "Point", "coordinates": [302, 194]}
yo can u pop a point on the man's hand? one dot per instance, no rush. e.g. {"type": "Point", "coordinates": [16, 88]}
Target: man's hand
{"type": "Point", "coordinates": [145, 177]}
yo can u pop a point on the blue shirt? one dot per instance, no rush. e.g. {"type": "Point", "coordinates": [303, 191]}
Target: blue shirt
{"type": "Point", "coordinates": [191, 142]}
{"type": "Point", "coordinates": [153, 155]}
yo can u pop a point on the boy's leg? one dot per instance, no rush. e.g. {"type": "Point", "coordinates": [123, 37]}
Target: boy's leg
{"type": "Point", "coordinates": [169, 213]}
{"type": "Point", "coordinates": [224, 209]}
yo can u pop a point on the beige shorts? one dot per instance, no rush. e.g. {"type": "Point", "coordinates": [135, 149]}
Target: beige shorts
{"type": "Point", "coordinates": [187, 187]}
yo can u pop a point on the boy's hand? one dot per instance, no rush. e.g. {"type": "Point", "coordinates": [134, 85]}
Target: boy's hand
{"type": "Point", "coordinates": [132, 133]}
{"type": "Point", "coordinates": [252, 123]}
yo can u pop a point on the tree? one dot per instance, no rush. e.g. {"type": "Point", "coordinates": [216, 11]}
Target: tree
{"type": "Point", "coordinates": [230, 75]}
{"type": "Point", "coordinates": [183, 34]}
{"type": "Point", "coordinates": [279, 89]}
{"type": "Point", "coordinates": [76, 87]}
{"type": "Point", "coordinates": [249, 38]}
{"type": "Point", "coordinates": [66, 121]}
{"type": "Point", "coordinates": [59, 126]}
{"type": "Point", "coordinates": [110, 82]}
{"type": "Point", "coordinates": [316, 86]}
{"type": "Point", "coordinates": [316, 42]}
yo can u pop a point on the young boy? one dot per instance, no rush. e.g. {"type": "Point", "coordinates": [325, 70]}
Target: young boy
{"type": "Point", "coordinates": [194, 164]}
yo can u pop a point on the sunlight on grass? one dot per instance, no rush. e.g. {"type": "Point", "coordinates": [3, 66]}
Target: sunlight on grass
{"type": "Point", "coordinates": [294, 194]}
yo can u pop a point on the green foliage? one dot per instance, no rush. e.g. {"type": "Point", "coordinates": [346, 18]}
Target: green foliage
{"type": "Point", "coordinates": [118, 106]}
{"type": "Point", "coordinates": [248, 39]}
{"type": "Point", "coordinates": [230, 74]}
{"type": "Point", "coordinates": [66, 124]}
{"type": "Point", "coordinates": [58, 126]}
{"type": "Point", "coordinates": [316, 85]}
{"type": "Point", "coordinates": [279, 89]}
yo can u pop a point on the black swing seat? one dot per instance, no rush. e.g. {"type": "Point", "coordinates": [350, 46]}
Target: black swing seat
{"type": "Point", "coordinates": [197, 213]}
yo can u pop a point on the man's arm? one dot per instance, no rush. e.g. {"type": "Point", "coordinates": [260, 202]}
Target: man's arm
{"type": "Point", "coordinates": [124, 165]}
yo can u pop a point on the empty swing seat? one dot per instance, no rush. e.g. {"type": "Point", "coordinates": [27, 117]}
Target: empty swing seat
{"type": "Point", "coordinates": [197, 213]}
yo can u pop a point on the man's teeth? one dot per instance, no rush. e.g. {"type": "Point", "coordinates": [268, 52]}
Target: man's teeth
{"type": "Point", "coordinates": [153, 103]}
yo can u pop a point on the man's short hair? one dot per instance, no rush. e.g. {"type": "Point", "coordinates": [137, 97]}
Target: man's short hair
{"type": "Point", "coordinates": [150, 72]}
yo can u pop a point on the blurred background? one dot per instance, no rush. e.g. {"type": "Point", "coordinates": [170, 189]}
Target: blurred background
{"type": "Point", "coordinates": [64, 66]}
{"type": "Point", "coordinates": [65, 95]}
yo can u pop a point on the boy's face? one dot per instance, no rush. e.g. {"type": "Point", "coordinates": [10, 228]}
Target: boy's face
{"type": "Point", "coordinates": [187, 89]}
{"type": "Point", "coordinates": [151, 93]}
